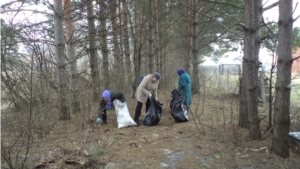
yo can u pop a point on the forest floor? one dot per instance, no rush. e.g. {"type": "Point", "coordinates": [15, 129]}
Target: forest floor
{"type": "Point", "coordinates": [219, 144]}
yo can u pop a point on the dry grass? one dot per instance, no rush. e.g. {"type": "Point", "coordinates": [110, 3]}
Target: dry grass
{"type": "Point", "coordinates": [180, 145]}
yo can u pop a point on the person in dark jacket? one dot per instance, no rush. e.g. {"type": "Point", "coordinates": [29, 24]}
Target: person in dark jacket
{"type": "Point", "coordinates": [106, 103]}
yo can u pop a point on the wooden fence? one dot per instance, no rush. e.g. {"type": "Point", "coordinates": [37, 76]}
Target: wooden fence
{"type": "Point", "coordinates": [227, 77]}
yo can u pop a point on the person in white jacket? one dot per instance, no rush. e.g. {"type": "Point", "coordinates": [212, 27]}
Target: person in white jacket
{"type": "Point", "coordinates": [147, 87]}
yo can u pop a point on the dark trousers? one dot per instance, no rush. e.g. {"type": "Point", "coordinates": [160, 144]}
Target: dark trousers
{"type": "Point", "coordinates": [138, 109]}
{"type": "Point", "coordinates": [103, 115]}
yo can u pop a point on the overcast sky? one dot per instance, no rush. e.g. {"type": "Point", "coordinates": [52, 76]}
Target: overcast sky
{"type": "Point", "coordinates": [270, 15]}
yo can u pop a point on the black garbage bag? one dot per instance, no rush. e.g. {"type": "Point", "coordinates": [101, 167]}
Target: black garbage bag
{"type": "Point", "coordinates": [174, 97]}
{"type": "Point", "coordinates": [154, 112]}
{"type": "Point", "coordinates": [178, 110]}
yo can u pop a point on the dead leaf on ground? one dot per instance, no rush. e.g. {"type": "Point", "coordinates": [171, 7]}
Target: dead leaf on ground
{"type": "Point", "coordinates": [133, 144]}
{"type": "Point", "coordinates": [85, 152]}
{"type": "Point", "coordinates": [75, 162]}
{"type": "Point", "coordinates": [44, 163]}
{"type": "Point", "coordinates": [109, 142]}
{"type": "Point", "coordinates": [58, 152]}
{"type": "Point", "coordinates": [167, 151]}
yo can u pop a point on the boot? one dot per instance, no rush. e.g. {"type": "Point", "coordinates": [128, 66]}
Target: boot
{"type": "Point", "coordinates": [103, 117]}
{"type": "Point", "coordinates": [137, 123]}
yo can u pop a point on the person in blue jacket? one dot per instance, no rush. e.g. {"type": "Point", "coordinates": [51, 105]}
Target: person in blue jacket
{"type": "Point", "coordinates": [184, 87]}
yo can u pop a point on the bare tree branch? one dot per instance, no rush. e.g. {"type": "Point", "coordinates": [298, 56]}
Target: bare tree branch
{"type": "Point", "coordinates": [269, 29]}
{"type": "Point", "coordinates": [296, 18]}
{"type": "Point", "coordinates": [9, 3]}
{"type": "Point", "coordinates": [28, 10]}
{"type": "Point", "coordinates": [295, 58]}
{"type": "Point", "coordinates": [270, 6]}
{"type": "Point", "coordinates": [225, 4]}
{"type": "Point", "coordinates": [295, 7]}
{"type": "Point", "coordinates": [243, 26]}
{"type": "Point", "coordinates": [229, 30]}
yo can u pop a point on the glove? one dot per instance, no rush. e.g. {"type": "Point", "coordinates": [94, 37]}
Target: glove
{"type": "Point", "coordinates": [150, 95]}
{"type": "Point", "coordinates": [98, 120]}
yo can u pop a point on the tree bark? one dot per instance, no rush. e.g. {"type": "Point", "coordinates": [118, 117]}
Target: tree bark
{"type": "Point", "coordinates": [188, 39]}
{"type": "Point", "coordinates": [95, 74]}
{"type": "Point", "coordinates": [257, 23]}
{"type": "Point", "coordinates": [258, 41]}
{"type": "Point", "coordinates": [162, 24]}
{"type": "Point", "coordinates": [139, 41]}
{"type": "Point", "coordinates": [270, 100]}
{"type": "Point", "coordinates": [150, 39]}
{"type": "Point", "coordinates": [71, 53]}
{"type": "Point", "coordinates": [156, 33]}
{"type": "Point", "coordinates": [243, 106]}
{"type": "Point", "coordinates": [250, 70]}
{"type": "Point", "coordinates": [120, 30]}
{"type": "Point", "coordinates": [196, 61]}
{"type": "Point", "coordinates": [118, 64]}
{"type": "Point", "coordinates": [104, 48]}
{"type": "Point", "coordinates": [64, 113]}
{"type": "Point", "coordinates": [137, 48]}
{"type": "Point", "coordinates": [282, 94]}
{"type": "Point", "coordinates": [126, 40]}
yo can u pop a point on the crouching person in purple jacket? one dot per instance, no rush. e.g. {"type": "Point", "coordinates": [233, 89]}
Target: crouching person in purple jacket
{"type": "Point", "coordinates": [106, 103]}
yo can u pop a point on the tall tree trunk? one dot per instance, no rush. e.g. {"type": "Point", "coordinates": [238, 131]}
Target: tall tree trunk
{"type": "Point", "coordinates": [126, 40]}
{"type": "Point", "coordinates": [71, 53]}
{"type": "Point", "coordinates": [257, 24]}
{"type": "Point", "coordinates": [117, 56]}
{"type": "Point", "coordinates": [134, 31]}
{"type": "Point", "coordinates": [161, 63]}
{"type": "Point", "coordinates": [93, 51]}
{"type": "Point", "coordinates": [270, 99]}
{"type": "Point", "coordinates": [157, 50]}
{"type": "Point", "coordinates": [250, 68]}
{"type": "Point", "coordinates": [188, 38]}
{"type": "Point", "coordinates": [282, 94]}
{"type": "Point", "coordinates": [138, 41]}
{"type": "Point", "coordinates": [104, 48]}
{"type": "Point", "coordinates": [243, 106]}
{"type": "Point", "coordinates": [121, 40]}
{"type": "Point", "coordinates": [150, 39]}
{"type": "Point", "coordinates": [64, 113]}
{"type": "Point", "coordinates": [162, 24]}
{"type": "Point", "coordinates": [42, 75]}
{"type": "Point", "coordinates": [196, 61]}
{"type": "Point", "coordinates": [257, 42]}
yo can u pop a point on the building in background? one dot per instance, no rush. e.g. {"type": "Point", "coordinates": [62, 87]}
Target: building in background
{"type": "Point", "coordinates": [296, 62]}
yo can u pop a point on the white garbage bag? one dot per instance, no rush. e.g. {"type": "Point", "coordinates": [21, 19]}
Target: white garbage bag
{"type": "Point", "coordinates": [123, 117]}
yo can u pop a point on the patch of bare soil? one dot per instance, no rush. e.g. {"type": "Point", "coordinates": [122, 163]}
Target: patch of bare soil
{"type": "Point", "coordinates": [167, 145]}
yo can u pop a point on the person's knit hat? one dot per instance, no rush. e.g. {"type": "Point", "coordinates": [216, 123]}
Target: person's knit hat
{"type": "Point", "coordinates": [180, 71]}
{"type": "Point", "coordinates": [156, 75]}
{"type": "Point", "coordinates": [106, 94]}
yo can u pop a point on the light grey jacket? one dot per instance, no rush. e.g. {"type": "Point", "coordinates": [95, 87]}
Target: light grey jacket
{"type": "Point", "coordinates": [145, 88]}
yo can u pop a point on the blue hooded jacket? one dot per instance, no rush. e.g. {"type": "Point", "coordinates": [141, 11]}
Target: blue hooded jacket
{"type": "Point", "coordinates": [184, 85]}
